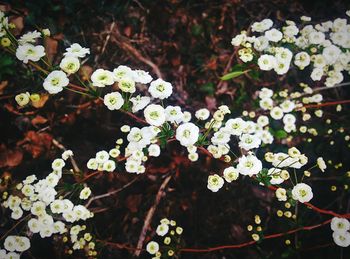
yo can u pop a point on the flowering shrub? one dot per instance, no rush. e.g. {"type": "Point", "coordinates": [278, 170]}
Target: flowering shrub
{"type": "Point", "coordinates": [243, 143]}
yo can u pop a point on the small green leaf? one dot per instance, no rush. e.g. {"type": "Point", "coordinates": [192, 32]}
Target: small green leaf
{"type": "Point", "coordinates": [233, 74]}
{"type": "Point", "coordinates": [280, 134]}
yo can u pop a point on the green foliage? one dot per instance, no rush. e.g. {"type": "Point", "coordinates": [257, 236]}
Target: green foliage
{"type": "Point", "coordinates": [263, 177]}
{"type": "Point", "coordinates": [166, 133]}
{"type": "Point", "coordinates": [6, 66]}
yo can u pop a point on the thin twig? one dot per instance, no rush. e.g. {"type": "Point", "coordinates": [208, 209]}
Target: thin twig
{"type": "Point", "coordinates": [101, 196]}
{"type": "Point", "coordinates": [150, 214]}
{"type": "Point", "coordinates": [74, 163]}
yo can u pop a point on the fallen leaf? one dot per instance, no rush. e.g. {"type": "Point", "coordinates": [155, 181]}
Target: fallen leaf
{"type": "Point", "coordinates": [38, 120]}
{"type": "Point", "coordinates": [3, 84]}
{"type": "Point", "coordinates": [41, 102]}
{"type": "Point", "coordinates": [10, 157]}
{"type": "Point", "coordinates": [85, 72]}
{"type": "Point", "coordinates": [18, 21]}
{"type": "Point", "coordinates": [36, 143]}
{"type": "Point", "coordinates": [51, 48]}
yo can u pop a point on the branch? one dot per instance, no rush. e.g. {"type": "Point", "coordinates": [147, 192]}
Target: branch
{"type": "Point", "coordinates": [249, 243]}
{"type": "Point", "coordinates": [150, 214]}
{"type": "Point", "coordinates": [74, 163]}
{"type": "Point", "coordinates": [111, 192]}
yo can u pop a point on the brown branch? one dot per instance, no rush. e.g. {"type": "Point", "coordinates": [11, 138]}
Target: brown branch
{"type": "Point", "coordinates": [249, 243]}
{"type": "Point", "coordinates": [125, 44]}
{"type": "Point", "coordinates": [101, 196]}
{"type": "Point", "coordinates": [150, 214]}
{"type": "Point", "coordinates": [74, 163]}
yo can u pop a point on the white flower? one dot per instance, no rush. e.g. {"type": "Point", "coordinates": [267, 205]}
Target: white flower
{"type": "Point", "coordinates": [273, 35]}
{"type": "Point", "coordinates": [92, 164]}
{"type": "Point", "coordinates": [70, 64]}
{"type": "Point", "coordinates": [154, 114]}
{"type": "Point", "coordinates": [215, 182]}
{"type": "Point", "coordinates": [321, 164]}
{"type": "Point", "coordinates": [113, 101]}
{"type": "Point", "coordinates": [173, 114]}
{"type": "Point", "coordinates": [276, 113]}
{"type": "Point", "coordinates": [187, 134]}
{"type": "Point", "coordinates": [261, 43]}
{"type": "Point", "coordinates": [248, 141]}
{"type": "Point", "coordinates": [139, 102]}
{"type": "Point", "coordinates": [57, 206]}
{"type": "Point", "coordinates": [263, 120]}
{"type": "Point", "coordinates": [34, 225]}
{"type": "Point", "coordinates": [302, 59]}
{"type": "Point", "coordinates": [22, 99]}
{"type": "Point", "coordinates": [302, 192]}
{"type": "Point", "coordinates": [289, 119]}
{"type": "Point", "coordinates": [109, 166]}
{"type": "Point", "coordinates": [341, 238]}
{"type": "Point", "coordinates": [265, 93]}
{"type": "Point", "coordinates": [281, 194]}
{"type": "Point", "coordinates": [75, 50]}
{"type": "Point", "coordinates": [85, 193]}
{"type": "Point", "coordinates": [58, 164]}
{"type": "Point", "coordinates": [238, 40]}
{"type": "Point", "coordinates": [281, 67]}
{"type": "Point", "coordinates": [10, 243]}
{"type": "Point", "coordinates": [331, 54]}
{"type": "Point", "coordinates": [154, 150]}
{"type": "Point", "coordinates": [55, 82]}
{"type": "Point", "coordinates": [305, 18]}
{"type": "Point", "coordinates": [235, 126]}
{"type": "Point", "coordinates": [29, 37]}
{"type": "Point", "coordinates": [66, 154]}
{"type": "Point", "coordinates": [231, 174]}
{"type": "Point", "coordinates": [193, 156]}
{"type": "Point", "coordinates": [152, 247]}
{"type": "Point", "coordinates": [22, 243]}
{"type": "Point", "coordinates": [122, 71]}
{"type": "Point", "coordinates": [162, 229]}
{"type": "Point", "coordinates": [17, 213]}
{"type": "Point", "coordinates": [101, 78]}
{"type": "Point", "coordinates": [262, 26]}
{"type": "Point", "coordinates": [141, 76]}
{"type": "Point", "coordinates": [287, 106]}
{"type": "Point", "coordinates": [316, 37]}
{"type": "Point", "coordinates": [202, 114]}
{"type": "Point", "coordinates": [340, 225]}
{"type": "Point", "coordinates": [127, 85]}
{"type": "Point", "coordinates": [266, 103]}
{"type": "Point", "coordinates": [249, 165]}
{"type": "Point", "coordinates": [28, 52]}
{"type": "Point", "coordinates": [102, 156]}
{"type": "Point", "coordinates": [267, 62]}
{"type": "Point", "coordinates": [316, 74]}
{"type": "Point", "coordinates": [160, 89]}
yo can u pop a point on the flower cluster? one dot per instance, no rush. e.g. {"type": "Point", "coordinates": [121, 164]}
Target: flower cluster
{"type": "Point", "coordinates": [282, 107]}
{"type": "Point", "coordinates": [14, 246]}
{"type": "Point", "coordinates": [341, 234]}
{"type": "Point", "coordinates": [324, 47]}
{"type": "Point", "coordinates": [47, 211]}
{"type": "Point", "coordinates": [170, 235]}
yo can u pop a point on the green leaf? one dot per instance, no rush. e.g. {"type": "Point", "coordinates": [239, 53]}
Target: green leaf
{"type": "Point", "coordinates": [233, 74]}
{"type": "Point", "coordinates": [280, 134]}
{"type": "Point", "coordinates": [208, 88]}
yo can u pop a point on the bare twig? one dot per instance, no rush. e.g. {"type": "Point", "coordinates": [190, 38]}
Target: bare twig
{"type": "Point", "coordinates": [125, 44]}
{"type": "Point", "coordinates": [150, 214]}
{"type": "Point", "coordinates": [101, 196]}
{"type": "Point", "coordinates": [74, 163]}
